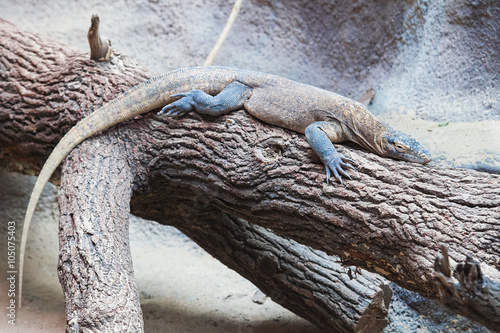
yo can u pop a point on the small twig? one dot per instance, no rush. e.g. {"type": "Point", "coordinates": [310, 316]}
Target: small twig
{"type": "Point", "coordinates": [99, 50]}
{"type": "Point", "coordinates": [474, 296]}
{"type": "Point", "coordinates": [232, 17]}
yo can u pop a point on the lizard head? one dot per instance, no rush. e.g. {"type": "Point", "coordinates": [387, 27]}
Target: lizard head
{"type": "Point", "coordinates": [401, 146]}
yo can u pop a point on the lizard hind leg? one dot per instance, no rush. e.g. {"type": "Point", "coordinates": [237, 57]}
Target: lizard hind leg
{"type": "Point", "coordinates": [320, 142]}
{"type": "Point", "coordinates": [229, 99]}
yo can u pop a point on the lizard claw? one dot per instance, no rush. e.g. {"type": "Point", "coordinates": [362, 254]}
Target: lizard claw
{"type": "Point", "coordinates": [180, 107]}
{"type": "Point", "coordinates": [334, 164]}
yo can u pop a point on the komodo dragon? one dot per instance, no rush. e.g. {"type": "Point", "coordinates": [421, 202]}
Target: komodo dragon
{"type": "Point", "coordinates": [323, 116]}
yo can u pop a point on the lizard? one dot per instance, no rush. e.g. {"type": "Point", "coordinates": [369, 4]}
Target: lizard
{"type": "Point", "coordinates": [323, 116]}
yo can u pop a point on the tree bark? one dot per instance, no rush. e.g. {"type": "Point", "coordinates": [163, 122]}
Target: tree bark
{"type": "Point", "coordinates": [46, 87]}
{"type": "Point", "coordinates": [392, 218]}
{"type": "Point", "coordinates": [306, 281]}
{"type": "Point", "coordinates": [198, 171]}
{"type": "Point", "coordinates": [475, 294]}
{"type": "Point", "coordinates": [95, 263]}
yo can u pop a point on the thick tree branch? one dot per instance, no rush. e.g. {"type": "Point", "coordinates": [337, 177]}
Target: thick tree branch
{"type": "Point", "coordinates": [95, 263]}
{"type": "Point", "coordinates": [392, 218]}
{"type": "Point", "coordinates": [306, 281]}
{"type": "Point", "coordinates": [45, 88]}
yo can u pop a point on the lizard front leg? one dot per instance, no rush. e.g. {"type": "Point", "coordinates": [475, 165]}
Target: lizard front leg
{"type": "Point", "coordinates": [316, 135]}
{"type": "Point", "coordinates": [229, 99]}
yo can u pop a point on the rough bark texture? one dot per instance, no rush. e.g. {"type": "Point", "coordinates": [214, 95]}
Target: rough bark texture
{"type": "Point", "coordinates": [95, 264]}
{"type": "Point", "coordinates": [305, 281]}
{"type": "Point", "coordinates": [390, 219]}
{"type": "Point", "coordinates": [95, 255]}
{"type": "Point", "coordinates": [46, 87]}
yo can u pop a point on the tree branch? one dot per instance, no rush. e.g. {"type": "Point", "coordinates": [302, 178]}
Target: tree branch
{"type": "Point", "coordinates": [306, 281]}
{"type": "Point", "coordinates": [392, 218]}
{"type": "Point", "coordinates": [99, 50]}
{"type": "Point", "coordinates": [95, 263]}
{"type": "Point", "coordinates": [474, 295]}
{"type": "Point", "coordinates": [223, 35]}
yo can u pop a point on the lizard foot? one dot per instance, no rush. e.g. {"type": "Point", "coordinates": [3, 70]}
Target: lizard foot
{"type": "Point", "coordinates": [181, 106]}
{"type": "Point", "coordinates": [334, 164]}
{"type": "Point", "coordinates": [316, 135]}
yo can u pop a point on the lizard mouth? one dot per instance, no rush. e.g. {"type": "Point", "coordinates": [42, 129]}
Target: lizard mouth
{"type": "Point", "coordinates": [421, 158]}
{"type": "Point", "coordinates": [426, 160]}
{"type": "Point", "coordinates": [425, 157]}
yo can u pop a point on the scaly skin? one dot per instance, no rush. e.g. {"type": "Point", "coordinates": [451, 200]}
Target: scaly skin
{"type": "Point", "coordinates": [324, 117]}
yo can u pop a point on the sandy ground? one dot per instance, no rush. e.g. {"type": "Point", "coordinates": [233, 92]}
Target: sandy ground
{"type": "Point", "coordinates": [182, 288]}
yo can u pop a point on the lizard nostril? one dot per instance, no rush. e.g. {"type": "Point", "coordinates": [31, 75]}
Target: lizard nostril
{"type": "Point", "coordinates": [426, 158]}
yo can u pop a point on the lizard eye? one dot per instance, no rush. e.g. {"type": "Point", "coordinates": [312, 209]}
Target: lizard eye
{"type": "Point", "coordinates": [400, 147]}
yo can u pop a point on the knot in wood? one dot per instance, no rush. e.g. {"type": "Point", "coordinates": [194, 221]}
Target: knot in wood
{"type": "Point", "coordinates": [269, 149]}
{"type": "Point", "coordinates": [268, 265]}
